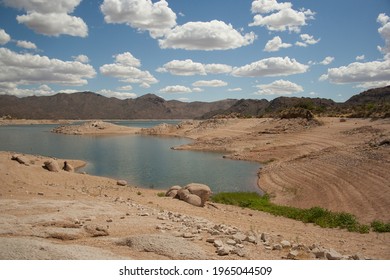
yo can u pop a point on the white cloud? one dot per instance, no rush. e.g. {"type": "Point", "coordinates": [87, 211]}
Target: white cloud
{"type": "Point", "coordinates": [26, 69]}
{"type": "Point", "coordinates": [307, 40]}
{"type": "Point", "coordinates": [327, 60]}
{"type": "Point", "coordinates": [213, 35]}
{"type": "Point", "coordinates": [279, 87]}
{"type": "Point", "coordinates": [26, 45]}
{"type": "Point", "coordinates": [210, 83]}
{"type": "Point", "coordinates": [368, 73]}
{"type": "Point", "coordinates": [189, 68]}
{"type": "Point", "coordinates": [271, 67]}
{"type": "Point", "coordinates": [116, 94]}
{"type": "Point", "coordinates": [267, 6]}
{"type": "Point", "coordinates": [360, 57]}
{"type": "Point", "coordinates": [125, 68]}
{"type": "Point", "coordinates": [128, 59]}
{"type": "Point", "coordinates": [183, 68]}
{"type": "Point", "coordinates": [175, 89]}
{"type": "Point", "coordinates": [81, 58]}
{"type": "Point", "coordinates": [384, 31]}
{"type": "Point", "coordinates": [50, 17]}
{"type": "Point", "coordinates": [275, 44]}
{"type": "Point", "coordinates": [285, 18]}
{"type": "Point", "coordinates": [157, 18]}
{"type": "Point", "coordinates": [234, 89]}
{"type": "Point", "coordinates": [128, 87]}
{"type": "Point", "coordinates": [4, 37]}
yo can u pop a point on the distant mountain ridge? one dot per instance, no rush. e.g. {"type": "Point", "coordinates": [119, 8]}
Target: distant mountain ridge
{"type": "Point", "coordinates": [89, 105]}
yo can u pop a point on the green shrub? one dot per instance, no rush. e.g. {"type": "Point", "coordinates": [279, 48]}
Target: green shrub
{"type": "Point", "coordinates": [379, 226]}
{"type": "Point", "coordinates": [317, 215]}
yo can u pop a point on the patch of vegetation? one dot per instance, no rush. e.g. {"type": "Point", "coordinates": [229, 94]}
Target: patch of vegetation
{"type": "Point", "coordinates": [161, 194]}
{"type": "Point", "coordinates": [379, 226]}
{"type": "Point", "coordinates": [317, 215]}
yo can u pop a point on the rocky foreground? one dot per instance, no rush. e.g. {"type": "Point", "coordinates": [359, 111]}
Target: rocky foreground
{"type": "Point", "coordinates": [67, 215]}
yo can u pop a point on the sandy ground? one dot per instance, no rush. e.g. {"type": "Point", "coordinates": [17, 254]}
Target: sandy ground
{"type": "Point", "coordinates": [340, 165]}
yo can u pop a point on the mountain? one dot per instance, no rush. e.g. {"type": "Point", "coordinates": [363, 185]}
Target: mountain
{"type": "Point", "coordinates": [89, 105]}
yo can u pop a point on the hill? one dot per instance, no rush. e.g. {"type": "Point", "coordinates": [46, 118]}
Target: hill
{"type": "Point", "coordinates": [89, 105]}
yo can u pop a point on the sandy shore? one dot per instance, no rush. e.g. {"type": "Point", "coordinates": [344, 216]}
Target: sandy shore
{"type": "Point", "coordinates": [338, 165]}
{"type": "Point", "coordinates": [341, 166]}
{"type": "Point", "coordinates": [62, 215]}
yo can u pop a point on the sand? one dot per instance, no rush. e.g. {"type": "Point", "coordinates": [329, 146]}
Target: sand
{"type": "Point", "coordinates": [338, 165]}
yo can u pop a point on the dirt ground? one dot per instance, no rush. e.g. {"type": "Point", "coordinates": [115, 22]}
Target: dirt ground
{"type": "Point", "coordinates": [342, 166]}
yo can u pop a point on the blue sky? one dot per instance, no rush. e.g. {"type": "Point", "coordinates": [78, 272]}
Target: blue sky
{"type": "Point", "coordinates": [195, 50]}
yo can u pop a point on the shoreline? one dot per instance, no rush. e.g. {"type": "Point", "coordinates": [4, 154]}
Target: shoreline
{"type": "Point", "coordinates": [60, 210]}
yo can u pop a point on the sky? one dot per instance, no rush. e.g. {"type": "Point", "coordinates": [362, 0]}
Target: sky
{"type": "Point", "coordinates": [195, 50]}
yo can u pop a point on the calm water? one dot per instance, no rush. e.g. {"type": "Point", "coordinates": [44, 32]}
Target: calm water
{"type": "Point", "coordinates": [145, 161]}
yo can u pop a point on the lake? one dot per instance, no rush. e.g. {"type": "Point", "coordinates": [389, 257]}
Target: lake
{"type": "Point", "coordinates": [144, 161]}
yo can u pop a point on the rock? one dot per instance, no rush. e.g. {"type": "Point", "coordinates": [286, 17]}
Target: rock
{"type": "Point", "coordinates": [264, 237]}
{"type": "Point", "coordinates": [95, 231]}
{"type": "Point", "coordinates": [251, 239]}
{"type": "Point", "coordinates": [277, 246]}
{"type": "Point", "coordinates": [20, 159]}
{"type": "Point", "coordinates": [224, 250]}
{"type": "Point", "coordinates": [188, 235]}
{"type": "Point", "coordinates": [332, 254]}
{"type": "Point", "coordinates": [239, 237]}
{"type": "Point", "coordinates": [40, 193]}
{"type": "Point", "coordinates": [218, 243]}
{"type": "Point", "coordinates": [318, 253]}
{"type": "Point", "coordinates": [293, 254]}
{"type": "Point", "coordinates": [231, 242]}
{"type": "Point", "coordinates": [172, 191]}
{"type": "Point", "coordinates": [285, 244]}
{"type": "Point", "coordinates": [67, 167]}
{"type": "Point", "coordinates": [52, 165]}
{"type": "Point", "coordinates": [201, 190]}
{"type": "Point", "coordinates": [186, 196]}
{"type": "Point", "coordinates": [121, 183]}
{"type": "Point", "coordinates": [358, 256]}
{"type": "Point", "coordinates": [241, 252]}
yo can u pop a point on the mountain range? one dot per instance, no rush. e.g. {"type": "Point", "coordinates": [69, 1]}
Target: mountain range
{"type": "Point", "coordinates": [89, 105]}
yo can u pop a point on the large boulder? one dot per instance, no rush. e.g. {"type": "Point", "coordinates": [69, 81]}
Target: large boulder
{"type": "Point", "coordinates": [192, 199]}
{"type": "Point", "coordinates": [201, 190]}
{"type": "Point", "coordinates": [52, 165]}
{"type": "Point", "coordinates": [20, 159]}
{"type": "Point", "coordinates": [172, 191]}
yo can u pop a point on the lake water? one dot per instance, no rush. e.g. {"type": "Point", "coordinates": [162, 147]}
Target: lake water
{"type": "Point", "coordinates": [144, 161]}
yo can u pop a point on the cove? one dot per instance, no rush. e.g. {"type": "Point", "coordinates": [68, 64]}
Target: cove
{"type": "Point", "coordinates": [144, 161]}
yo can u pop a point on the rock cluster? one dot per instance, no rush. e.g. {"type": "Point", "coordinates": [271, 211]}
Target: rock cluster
{"type": "Point", "coordinates": [194, 193]}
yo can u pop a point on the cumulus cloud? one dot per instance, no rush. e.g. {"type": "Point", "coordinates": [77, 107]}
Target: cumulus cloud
{"type": "Point", "coordinates": [116, 94]}
{"type": "Point", "coordinates": [26, 69]}
{"type": "Point", "coordinates": [144, 15]}
{"type": "Point", "coordinates": [275, 44]}
{"type": "Point", "coordinates": [189, 68]}
{"type": "Point", "coordinates": [125, 68]}
{"type": "Point", "coordinates": [213, 35]}
{"type": "Point", "coordinates": [279, 16]}
{"type": "Point", "coordinates": [267, 6]}
{"type": "Point", "coordinates": [4, 37]}
{"type": "Point", "coordinates": [279, 87]}
{"type": "Point", "coordinates": [307, 40]}
{"type": "Point", "coordinates": [360, 57]}
{"type": "Point", "coordinates": [327, 60]}
{"type": "Point", "coordinates": [384, 31]}
{"type": "Point", "coordinates": [210, 83]}
{"type": "Point", "coordinates": [270, 67]}
{"type": "Point", "coordinates": [366, 74]}
{"type": "Point", "coordinates": [81, 58]}
{"type": "Point", "coordinates": [26, 45]}
{"type": "Point", "coordinates": [50, 18]}
{"type": "Point", "coordinates": [175, 89]}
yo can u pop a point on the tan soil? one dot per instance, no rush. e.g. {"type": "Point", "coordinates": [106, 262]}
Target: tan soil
{"type": "Point", "coordinates": [339, 165]}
